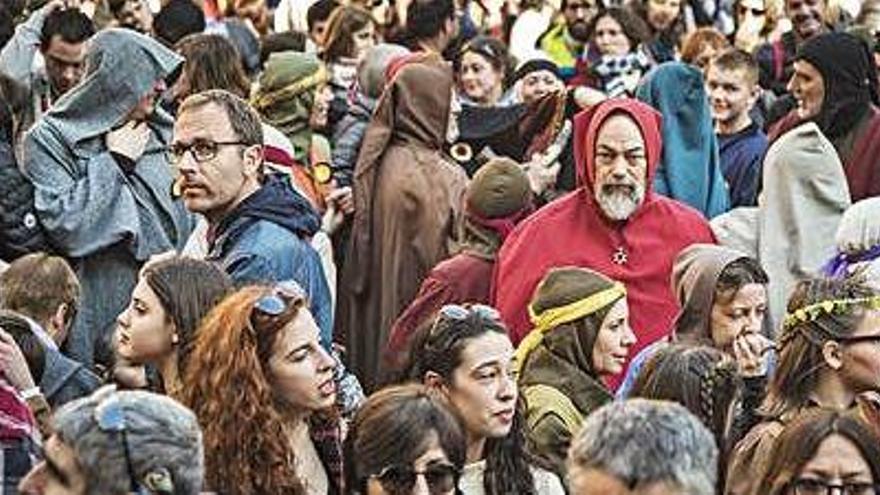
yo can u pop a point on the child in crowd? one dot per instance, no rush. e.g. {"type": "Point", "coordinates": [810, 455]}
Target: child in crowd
{"type": "Point", "coordinates": [732, 85]}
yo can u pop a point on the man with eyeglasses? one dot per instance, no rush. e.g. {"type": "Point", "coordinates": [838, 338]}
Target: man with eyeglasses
{"type": "Point", "coordinates": [47, 54]}
{"type": "Point", "coordinates": [259, 227]}
{"type": "Point", "coordinates": [102, 179]}
{"type": "Point", "coordinates": [117, 443]}
{"type": "Point", "coordinates": [565, 42]}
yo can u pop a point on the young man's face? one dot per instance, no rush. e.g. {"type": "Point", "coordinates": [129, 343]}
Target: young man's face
{"type": "Point", "coordinates": [730, 95]}
{"type": "Point", "coordinates": [65, 64]}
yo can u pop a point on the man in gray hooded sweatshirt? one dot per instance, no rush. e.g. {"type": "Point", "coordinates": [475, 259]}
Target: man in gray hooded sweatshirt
{"type": "Point", "coordinates": [102, 179]}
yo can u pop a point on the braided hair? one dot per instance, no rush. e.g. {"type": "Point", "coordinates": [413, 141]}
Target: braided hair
{"type": "Point", "coordinates": [439, 348]}
{"type": "Point", "coordinates": [800, 343]}
{"type": "Point", "coordinates": [701, 378]}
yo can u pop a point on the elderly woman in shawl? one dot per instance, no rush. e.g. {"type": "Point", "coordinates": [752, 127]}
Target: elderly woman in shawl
{"type": "Point", "coordinates": [497, 198]}
{"type": "Point", "coordinates": [102, 179]}
{"type": "Point", "coordinates": [690, 170]}
{"type": "Point", "coordinates": [581, 336]}
{"type": "Point", "coordinates": [835, 86]}
{"type": "Point", "coordinates": [858, 243]}
{"type": "Point", "coordinates": [407, 201]}
{"type": "Point", "coordinates": [791, 231]}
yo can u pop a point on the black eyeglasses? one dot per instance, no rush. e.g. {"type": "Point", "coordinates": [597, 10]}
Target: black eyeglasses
{"type": "Point", "coordinates": [441, 479]}
{"type": "Point", "coordinates": [202, 150]}
{"type": "Point", "coordinates": [806, 486]}
{"type": "Point", "coordinates": [111, 419]}
{"type": "Point", "coordinates": [860, 338]}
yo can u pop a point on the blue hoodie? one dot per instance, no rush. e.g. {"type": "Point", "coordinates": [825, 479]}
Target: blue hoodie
{"type": "Point", "coordinates": [266, 239]}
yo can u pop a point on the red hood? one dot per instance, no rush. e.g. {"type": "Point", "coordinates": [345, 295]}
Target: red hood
{"type": "Point", "coordinates": [586, 128]}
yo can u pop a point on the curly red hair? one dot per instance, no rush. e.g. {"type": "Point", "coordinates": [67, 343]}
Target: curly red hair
{"type": "Point", "coordinates": [226, 385]}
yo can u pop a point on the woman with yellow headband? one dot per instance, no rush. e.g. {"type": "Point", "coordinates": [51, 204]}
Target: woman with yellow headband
{"type": "Point", "coordinates": [580, 336]}
{"type": "Point", "coordinates": [829, 357]}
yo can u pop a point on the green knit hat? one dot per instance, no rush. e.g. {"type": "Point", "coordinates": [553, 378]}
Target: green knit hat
{"type": "Point", "coordinates": [499, 189]}
{"type": "Point", "coordinates": [294, 72]}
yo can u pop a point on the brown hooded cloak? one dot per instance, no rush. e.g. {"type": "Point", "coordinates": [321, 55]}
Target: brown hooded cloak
{"type": "Point", "coordinates": [407, 201]}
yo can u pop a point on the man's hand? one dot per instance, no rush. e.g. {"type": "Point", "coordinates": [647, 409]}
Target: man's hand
{"type": "Point", "coordinates": [14, 364]}
{"type": "Point", "coordinates": [130, 140]}
{"type": "Point", "coordinates": [337, 202]}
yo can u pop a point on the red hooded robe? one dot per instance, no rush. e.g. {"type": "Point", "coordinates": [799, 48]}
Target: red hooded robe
{"type": "Point", "coordinates": [573, 231]}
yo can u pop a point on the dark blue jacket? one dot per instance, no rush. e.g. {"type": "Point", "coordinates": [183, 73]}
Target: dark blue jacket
{"type": "Point", "coordinates": [267, 239]}
{"type": "Point", "coordinates": [741, 157]}
{"type": "Point", "coordinates": [64, 379]}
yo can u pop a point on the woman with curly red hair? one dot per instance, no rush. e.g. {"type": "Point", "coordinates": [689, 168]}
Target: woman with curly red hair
{"type": "Point", "coordinates": [262, 387]}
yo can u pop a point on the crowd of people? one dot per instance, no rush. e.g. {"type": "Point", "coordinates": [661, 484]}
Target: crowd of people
{"type": "Point", "coordinates": [445, 247]}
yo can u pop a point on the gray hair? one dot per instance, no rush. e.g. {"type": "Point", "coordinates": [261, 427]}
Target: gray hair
{"type": "Point", "coordinates": [163, 439]}
{"type": "Point", "coordinates": [642, 441]}
{"type": "Point", "coordinates": [243, 119]}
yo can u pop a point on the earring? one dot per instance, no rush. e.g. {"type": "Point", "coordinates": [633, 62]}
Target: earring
{"type": "Point", "coordinates": [174, 339]}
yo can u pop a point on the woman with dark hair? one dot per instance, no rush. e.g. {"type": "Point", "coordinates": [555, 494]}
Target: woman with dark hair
{"type": "Point", "coordinates": [262, 386]}
{"type": "Point", "coordinates": [580, 337]}
{"type": "Point", "coordinates": [666, 26]}
{"type": "Point", "coordinates": [828, 358]}
{"type": "Point", "coordinates": [351, 31]}
{"type": "Point", "coordinates": [704, 380]}
{"type": "Point", "coordinates": [821, 448]}
{"type": "Point", "coordinates": [483, 69]}
{"type": "Point", "coordinates": [615, 60]}
{"type": "Point", "coordinates": [835, 85]}
{"type": "Point", "coordinates": [403, 438]}
{"type": "Point", "coordinates": [467, 356]}
{"type": "Point", "coordinates": [159, 325]}
{"type": "Point", "coordinates": [211, 62]}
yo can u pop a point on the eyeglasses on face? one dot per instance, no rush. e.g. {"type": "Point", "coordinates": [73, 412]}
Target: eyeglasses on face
{"type": "Point", "coordinates": [807, 486]}
{"type": "Point", "coordinates": [441, 479]}
{"type": "Point", "coordinates": [202, 150]}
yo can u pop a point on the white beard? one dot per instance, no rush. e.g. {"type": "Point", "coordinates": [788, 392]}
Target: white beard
{"type": "Point", "coordinates": [618, 205]}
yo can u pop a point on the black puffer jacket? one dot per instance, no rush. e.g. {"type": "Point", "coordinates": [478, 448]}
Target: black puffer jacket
{"type": "Point", "coordinates": [20, 232]}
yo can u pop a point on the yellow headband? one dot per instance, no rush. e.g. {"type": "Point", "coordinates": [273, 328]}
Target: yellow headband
{"type": "Point", "coordinates": [554, 317]}
{"type": "Point", "coordinates": [320, 76]}
{"type": "Point", "coordinates": [813, 311]}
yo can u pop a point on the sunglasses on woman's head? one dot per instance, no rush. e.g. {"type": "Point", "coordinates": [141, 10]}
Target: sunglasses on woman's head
{"type": "Point", "coordinates": [459, 312]}
{"type": "Point", "coordinates": [279, 301]}
{"type": "Point", "coordinates": [441, 479]}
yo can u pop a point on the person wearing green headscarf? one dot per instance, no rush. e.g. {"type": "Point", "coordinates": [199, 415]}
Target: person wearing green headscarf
{"type": "Point", "coordinates": [580, 336]}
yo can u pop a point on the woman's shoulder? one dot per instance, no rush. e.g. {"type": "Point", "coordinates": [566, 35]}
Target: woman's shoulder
{"type": "Point", "coordinates": [546, 482]}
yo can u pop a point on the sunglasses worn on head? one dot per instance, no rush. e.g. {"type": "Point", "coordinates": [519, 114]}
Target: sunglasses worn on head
{"type": "Point", "coordinates": [283, 296]}
{"type": "Point", "coordinates": [401, 479]}
{"type": "Point", "coordinates": [459, 312]}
